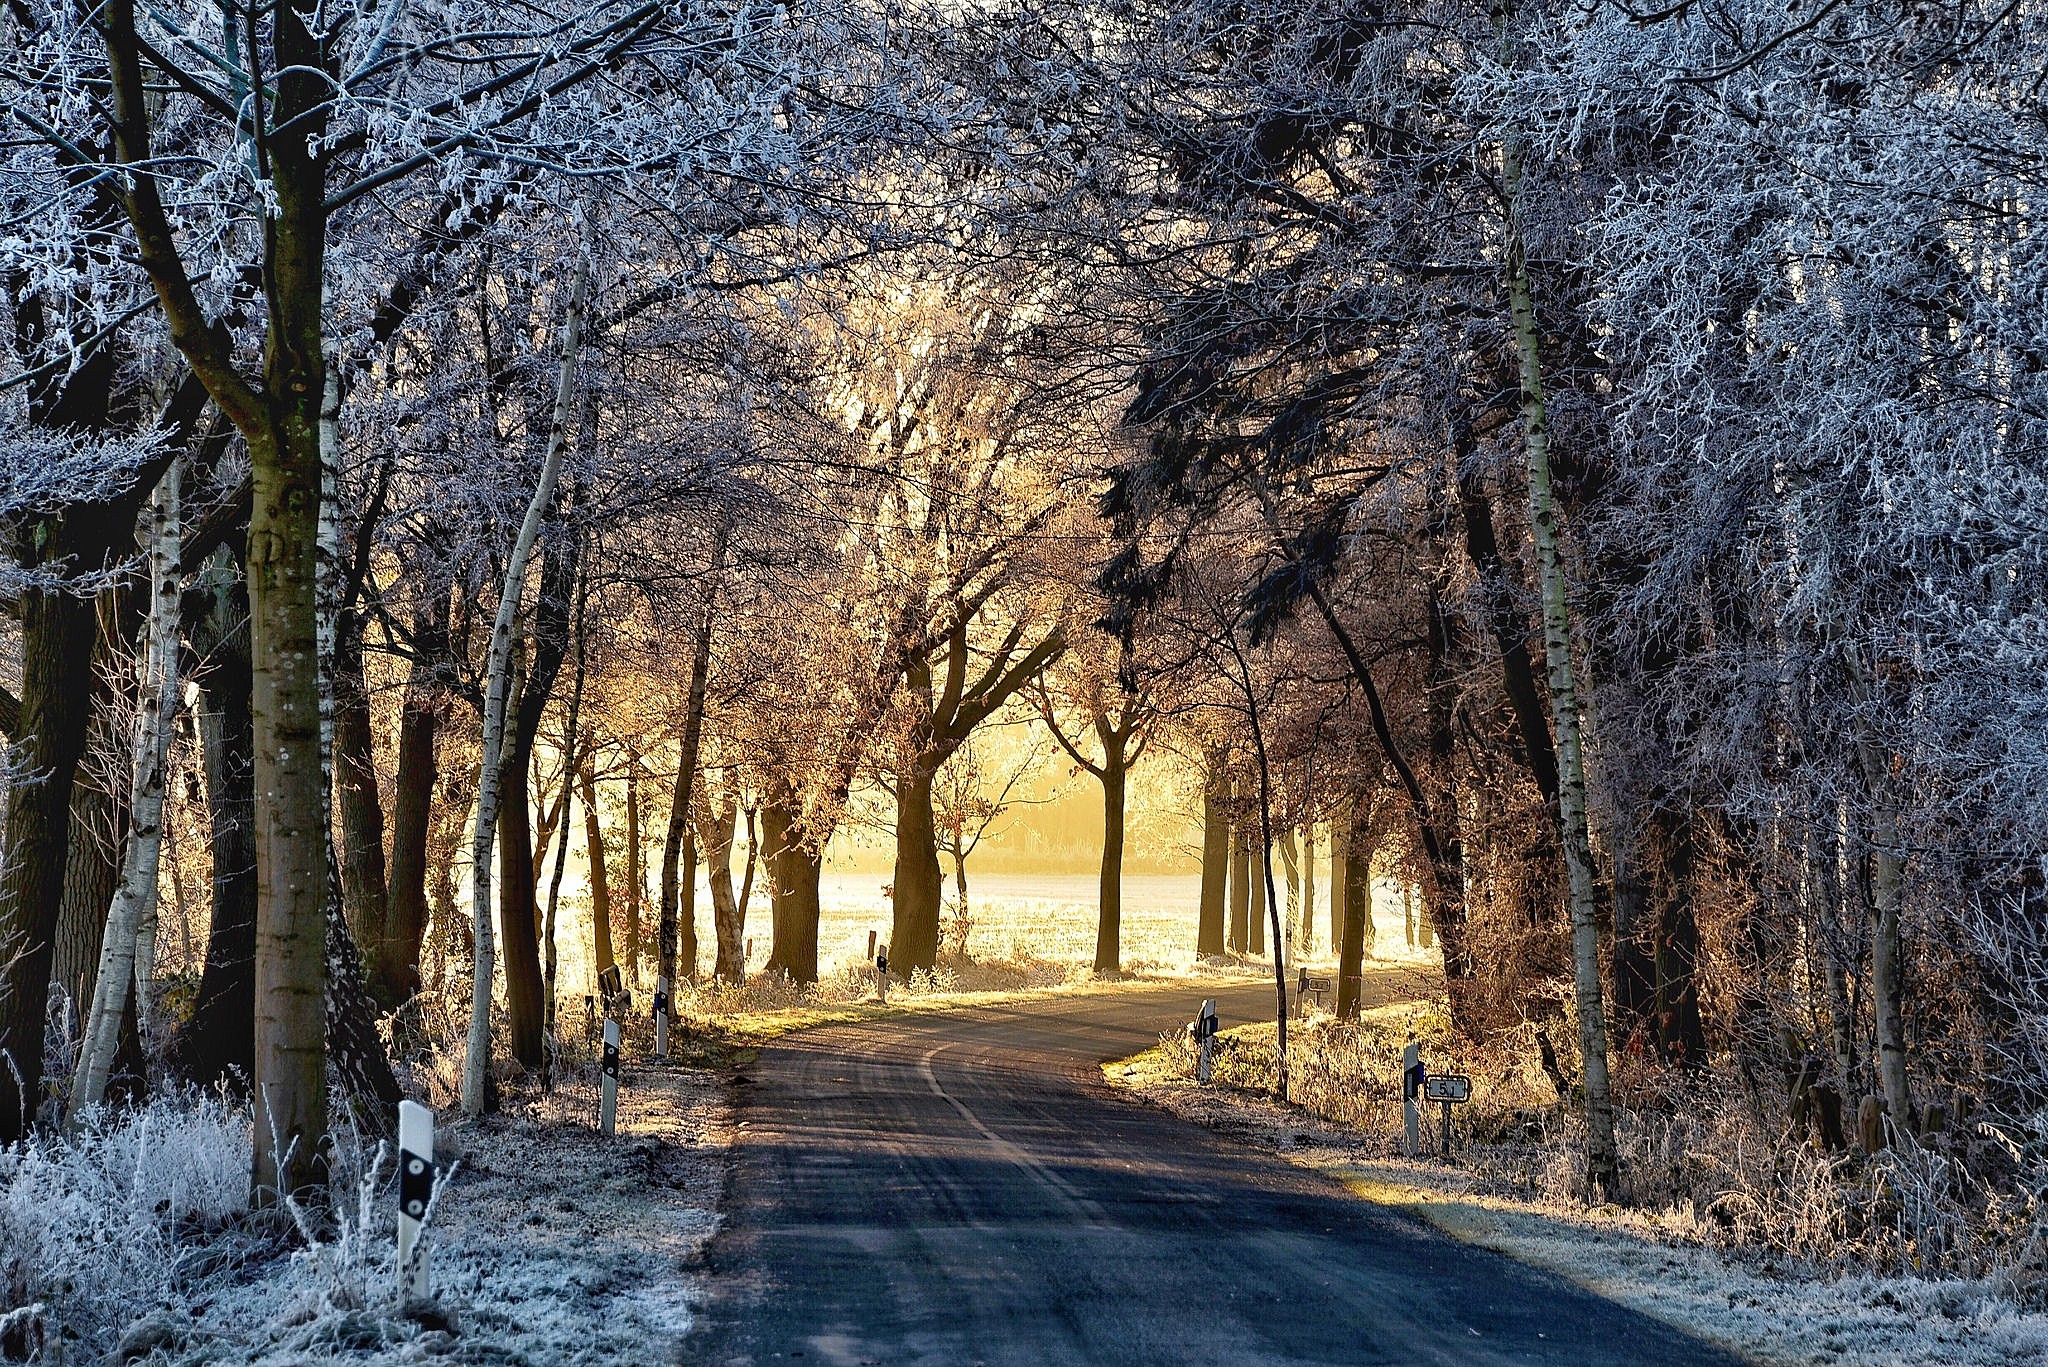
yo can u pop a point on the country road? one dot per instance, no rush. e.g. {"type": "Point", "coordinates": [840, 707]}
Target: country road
{"type": "Point", "coordinates": [961, 1188]}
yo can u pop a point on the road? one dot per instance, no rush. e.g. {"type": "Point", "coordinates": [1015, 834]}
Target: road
{"type": "Point", "coordinates": [961, 1188]}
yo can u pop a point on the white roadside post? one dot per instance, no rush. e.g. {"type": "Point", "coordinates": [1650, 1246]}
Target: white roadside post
{"type": "Point", "coordinates": [1411, 1087]}
{"type": "Point", "coordinates": [415, 1193]}
{"type": "Point", "coordinates": [1206, 1027]}
{"type": "Point", "coordinates": [608, 1109]}
{"type": "Point", "coordinates": [660, 1018]}
{"type": "Point", "coordinates": [881, 973]}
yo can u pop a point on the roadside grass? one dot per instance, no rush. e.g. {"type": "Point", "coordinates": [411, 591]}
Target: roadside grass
{"type": "Point", "coordinates": [1678, 1264]}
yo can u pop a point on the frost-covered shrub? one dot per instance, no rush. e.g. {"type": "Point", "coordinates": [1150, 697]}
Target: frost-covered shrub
{"type": "Point", "coordinates": [122, 1217]}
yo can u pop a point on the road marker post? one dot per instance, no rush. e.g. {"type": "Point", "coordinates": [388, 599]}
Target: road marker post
{"type": "Point", "coordinates": [1412, 1076]}
{"type": "Point", "coordinates": [881, 972]}
{"type": "Point", "coordinates": [415, 1194]}
{"type": "Point", "coordinates": [608, 1108]}
{"type": "Point", "coordinates": [661, 1017]}
{"type": "Point", "coordinates": [1206, 1026]}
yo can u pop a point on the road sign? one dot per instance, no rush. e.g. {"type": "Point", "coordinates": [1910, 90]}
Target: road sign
{"type": "Point", "coordinates": [1447, 1087]}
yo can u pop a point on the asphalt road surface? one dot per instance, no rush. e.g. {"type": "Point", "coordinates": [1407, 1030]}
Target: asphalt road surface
{"type": "Point", "coordinates": [961, 1188]}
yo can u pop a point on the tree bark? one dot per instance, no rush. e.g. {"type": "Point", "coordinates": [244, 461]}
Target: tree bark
{"type": "Point", "coordinates": [1308, 888]}
{"type": "Point", "coordinates": [1255, 919]}
{"type": "Point", "coordinates": [1681, 1037]}
{"type": "Point", "coordinates": [57, 634]}
{"type": "Point", "coordinates": [793, 875]}
{"type": "Point", "coordinates": [158, 690]}
{"type": "Point", "coordinates": [1240, 890]}
{"type": "Point", "coordinates": [219, 1044]}
{"type": "Point", "coordinates": [914, 936]}
{"type": "Point", "coordinates": [672, 890]}
{"type": "Point", "coordinates": [497, 675]}
{"type": "Point", "coordinates": [636, 877]}
{"type": "Point", "coordinates": [600, 879]}
{"type": "Point", "coordinates": [715, 827]}
{"type": "Point", "coordinates": [394, 959]}
{"type": "Point", "coordinates": [1110, 899]}
{"type": "Point", "coordinates": [1357, 929]}
{"type": "Point", "coordinates": [1602, 1165]}
{"type": "Point", "coordinates": [365, 895]}
{"type": "Point", "coordinates": [1209, 939]}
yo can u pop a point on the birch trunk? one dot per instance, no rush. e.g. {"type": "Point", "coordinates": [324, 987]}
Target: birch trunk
{"type": "Point", "coordinates": [497, 676]}
{"type": "Point", "coordinates": [157, 708]}
{"type": "Point", "coordinates": [1602, 1167]}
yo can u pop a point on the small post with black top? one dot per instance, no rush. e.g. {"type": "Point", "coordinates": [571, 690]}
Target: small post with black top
{"type": "Point", "coordinates": [608, 1107]}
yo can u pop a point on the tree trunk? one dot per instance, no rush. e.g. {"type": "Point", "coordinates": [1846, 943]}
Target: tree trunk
{"type": "Point", "coordinates": [715, 828]}
{"type": "Point", "coordinates": [914, 935]}
{"type": "Point", "coordinates": [1633, 968]}
{"type": "Point", "coordinates": [1240, 890]}
{"type": "Point", "coordinates": [365, 896]}
{"type": "Point", "coordinates": [1255, 917]}
{"type": "Point", "coordinates": [1308, 888]}
{"type": "Point", "coordinates": [1357, 930]}
{"type": "Point", "coordinates": [636, 877]}
{"type": "Point", "coordinates": [394, 959]}
{"type": "Point", "coordinates": [218, 1045]}
{"type": "Point", "coordinates": [360, 1063]}
{"type": "Point", "coordinates": [57, 634]}
{"type": "Point", "coordinates": [158, 690]}
{"type": "Point", "coordinates": [600, 880]}
{"type": "Point", "coordinates": [1602, 1165]}
{"type": "Point", "coordinates": [793, 874]}
{"type": "Point", "coordinates": [672, 888]}
{"type": "Point", "coordinates": [1209, 939]}
{"type": "Point", "coordinates": [1887, 969]}
{"type": "Point", "coordinates": [1681, 1037]}
{"type": "Point", "coordinates": [1340, 840]}
{"type": "Point", "coordinates": [1290, 864]}
{"type": "Point", "coordinates": [518, 925]}
{"type": "Point", "coordinates": [1110, 900]}
{"type": "Point", "coordinates": [497, 677]}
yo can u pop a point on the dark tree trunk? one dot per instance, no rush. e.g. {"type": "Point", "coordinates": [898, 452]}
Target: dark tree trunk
{"type": "Point", "coordinates": [519, 911]}
{"type": "Point", "coordinates": [1340, 844]}
{"type": "Point", "coordinates": [219, 1043]}
{"type": "Point", "coordinates": [57, 633]}
{"type": "Point", "coordinates": [1240, 890]}
{"type": "Point", "coordinates": [715, 835]}
{"type": "Point", "coordinates": [393, 969]}
{"type": "Point", "coordinates": [914, 934]}
{"type": "Point", "coordinates": [600, 879]}
{"type": "Point", "coordinates": [793, 874]}
{"type": "Point", "coordinates": [354, 1047]}
{"type": "Point", "coordinates": [1255, 916]}
{"type": "Point", "coordinates": [1215, 863]}
{"type": "Point", "coordinates": [99, 806]}
{"type": "Point", "coordinates": [672, 880]}
{"type": "Point", "coordinates": [1109, 902]}
{"type": "Point", "coordinates": [636, 877]}
{"type": "Point", "coordinates": [1633, 965]}
{"type": "Point", "coordinates": [365, 897]}
{"type": "Point", "coordinates": [1681, 1038]}
{"type": "Point", "coordinates": [1357, 929]}
{"type": "Point", "coordinates": [518, 928]}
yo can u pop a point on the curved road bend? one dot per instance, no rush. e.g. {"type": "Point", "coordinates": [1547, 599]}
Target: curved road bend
{"type": "Point", "coordinates": [961, 1188]}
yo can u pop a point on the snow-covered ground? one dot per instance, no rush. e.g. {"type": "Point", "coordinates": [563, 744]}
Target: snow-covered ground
{"type": "Point", "coordinates": [553, 1244]}
{"type": "Point", "coordinates": [1772, 1310]}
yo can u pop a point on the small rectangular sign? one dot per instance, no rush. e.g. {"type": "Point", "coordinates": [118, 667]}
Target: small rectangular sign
{"type": "Point", "coordinates": [1447, 1087]}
